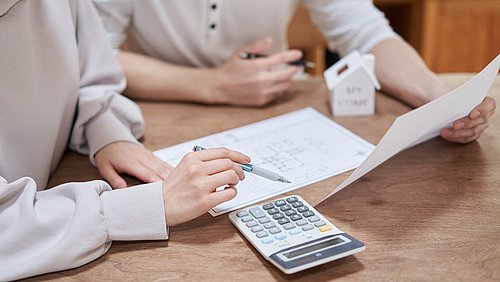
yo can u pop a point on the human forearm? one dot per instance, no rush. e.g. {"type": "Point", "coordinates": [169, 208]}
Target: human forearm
{"type": "Point", "coordinates": [404, 75]}
{"type": "Point", "coordinates": [236, 82]}
{"type": "Point", "coordinates": [71, 224]}
{"type": "Point", "coordinates": [151, 79]}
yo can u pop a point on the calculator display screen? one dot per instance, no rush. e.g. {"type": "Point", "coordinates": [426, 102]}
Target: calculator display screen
{"type": "Point", "coordinates": [312, 248]}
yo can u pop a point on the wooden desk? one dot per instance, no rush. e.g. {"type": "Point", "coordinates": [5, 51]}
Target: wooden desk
{"type": "Point", "coordinates": [431, 212]}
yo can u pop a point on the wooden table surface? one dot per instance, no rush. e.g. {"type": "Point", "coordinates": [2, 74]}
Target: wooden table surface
{"type": "Point", "coordinates": [431, 212]}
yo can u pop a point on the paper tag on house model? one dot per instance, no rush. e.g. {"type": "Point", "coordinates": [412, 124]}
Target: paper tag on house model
{"type": "Point", "coordinates": [352, 82]}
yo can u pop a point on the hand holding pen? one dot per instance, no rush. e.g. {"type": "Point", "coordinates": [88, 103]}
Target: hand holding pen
{"type": "Point", "coordinates": [301, 62]}
{"type": "Point", "coordinates": [254, 82]}
{"type": "Point", "coordinates": [256, 170]}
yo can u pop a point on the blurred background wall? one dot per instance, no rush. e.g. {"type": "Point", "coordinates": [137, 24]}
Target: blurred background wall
{"type": "Point", "coordinates": [450, 35]}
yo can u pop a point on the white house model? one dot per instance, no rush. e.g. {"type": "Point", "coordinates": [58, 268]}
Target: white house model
{"type": "Point", "coordinates": [352, 82]}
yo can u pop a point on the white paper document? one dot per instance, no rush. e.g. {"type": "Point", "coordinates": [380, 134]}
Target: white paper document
{"type": "Point", "coordinates": [425, 122]}
{"type": "Point", "coordinates": [303, 146]}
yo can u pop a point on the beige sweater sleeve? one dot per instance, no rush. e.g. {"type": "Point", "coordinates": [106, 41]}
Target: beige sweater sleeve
{"type": "Point", "coordinates": [71, 224]}
{"type": "Point", "coordinates": [104, 116]}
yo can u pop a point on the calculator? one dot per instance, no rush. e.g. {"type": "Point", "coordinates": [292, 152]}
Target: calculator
{"type": "Point", "coordinates": [292, 235]}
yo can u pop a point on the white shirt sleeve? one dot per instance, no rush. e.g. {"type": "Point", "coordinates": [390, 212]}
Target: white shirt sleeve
{"type": "Point", "coordinates": [116, 16]}
{"type": "Point", "coordinates": [350, 25]}
{"type": "Point", "coordinates": [104, 116]}
{"type": "Point", "coordinates": [71, 224]}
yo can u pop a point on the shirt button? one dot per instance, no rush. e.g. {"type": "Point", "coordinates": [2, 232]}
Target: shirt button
{"type": "Point", "coordinates": [213, 26]}
{"type": "Point", "coordinates": [214, 6]}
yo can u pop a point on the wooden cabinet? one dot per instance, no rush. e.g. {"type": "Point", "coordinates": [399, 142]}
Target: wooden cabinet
{"type": "Point", "coordinates": [450, 35]}
{"type": "Point", "coordinates": [460, 35]}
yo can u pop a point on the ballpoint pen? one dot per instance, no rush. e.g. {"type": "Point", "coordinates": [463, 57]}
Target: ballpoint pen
{"type": "Point", "coordinates": [304, 63]}
{"type": "Point", "coordinates": [256, 170]}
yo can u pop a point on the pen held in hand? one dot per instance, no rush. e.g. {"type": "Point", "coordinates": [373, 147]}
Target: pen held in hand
{"type": "Point", "coordinates": [256, 170]}
{"type": "Point", "coordinates": [303, 63]}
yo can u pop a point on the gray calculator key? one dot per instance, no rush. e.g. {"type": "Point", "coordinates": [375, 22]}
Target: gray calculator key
{"type": "Point", "coordinates": [295, 217]}
{"type": "Point", "coordinates": [278, 216]}
{"type": "Point", "coordinates": [261, 234]}
{"type": "Point", "coordinates": [283, 220]}
{"type": "Point", "coordinates": [302, 209]}
{"type": "Point", "coordinates": [246, 218]}
{"type": "Point", "coordinates": [242, 213]}
{"type": "Point", "coordinates": [274, 230]}
{"type": "Point", "coordinates": [280, 203]}
{"type": "Point", "coordinates": [297, 204]}
{"type": "Point", "coordinates": [314, 218]}
{"type": "Point", "coordinates": [256, 229]}
{"type": "Point", "coordinates": [319, 223]}
{"type": "Point", "coordinates": [273, 211]}
{"type": "Point", "coordinates": [268, 206]}
{"type": "Point", "coordinates": [292, 199]}
{"type": "Point", "coordinates": [307, 227]}
{"type": "Point", "coordinates": [289, 226]}
{"type": "Point", "coordinates": [301, 222]}
{"type": "Point", "coordinates": [280, 236]}
{"type": "Point", "coordinates": [252, 223]}
{"type": "Point", "coordinates": [308, 213]}
{"type": "Point", "coordinates": [290, 212]}
{"type": "Point", "coordinates": [285, 208]}
{"type": "Point", "coordinates": [257, 212]}
{"type": "Point", "coordinates": [264, 220]}
{"type": "Point", "coordinates": [269, 225]}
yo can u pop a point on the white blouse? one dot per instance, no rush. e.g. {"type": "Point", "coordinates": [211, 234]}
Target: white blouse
{"type": "Point", "coordinates": [206, 33]}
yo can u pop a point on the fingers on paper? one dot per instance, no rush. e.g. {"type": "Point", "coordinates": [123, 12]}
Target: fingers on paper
{"type": "Point", "coordinates": [112, 176]}
{"type": "Point", "coordinates": [221, 196]}
{"type": "Point", "coordinates": [465, 135]}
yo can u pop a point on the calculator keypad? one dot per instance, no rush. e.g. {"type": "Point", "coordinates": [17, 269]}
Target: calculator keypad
{"type": "Point", "coordinates": [281, 218]}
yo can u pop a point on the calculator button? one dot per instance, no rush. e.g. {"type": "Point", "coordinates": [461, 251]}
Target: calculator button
{"type": "Point", "coordinates": [319, 223]}
{"type": "Point", "coordinates": [307, 227]}
{"type": "Point", "coordinates": [295, 231]}
{"type": "Point", "coordinates": [283, 220]}
{"type": "Point", "coordinates": [301, 222]}
{"type": "Point", "coordinates": [308, 213]}
{"type": "Point", "coordinates": [302, 209]}
{"type": "Point", "coordinates": [325, 228]}
{"type": "Point", "coordinates": [274, 230]}
{"type": "Point", "coordinates": [252, 223]}
{"type": "Point", "coordinates": [297, 204]}
{"type": "Point", "coordinates": [290, 212]}
{"type": "Point", "coordinates": [289, 226]}
{"type": "Point", "coordinates": [257, 212]}
{"type": "Point", "coordinates": [278, 216]}
{"type": "Point", "coordinates": [267, 240]}
{"type": "Point", "coordinates": [269, 225]}
{"type": "Point", "coordinates": [285, 207]}
{"type": "Point", "coordinates": [242, 213]}
{"type": "Point", "coordinates": [295, 217]}
{"type": "Point", "coordinates": [314, 218]}
{"type": "Point", "coordinates": [292, 199]}
{"type": "Point", "coordinates": [280, 203]}
{"type": "Point", "coordinates": [264, 220]}
{"type": "Point", "coordinates": [280, 236]}
{"type": "Point", "coordinates": [261, 234]}
{"type": "Point", "coordinates": [246, 218]}
{"type": "Point", "coordinates": [273, 211]}
{"type": "Point", "coordinates": [256, 229]}
{"type": "Point", "coordinates": [268, 206]}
